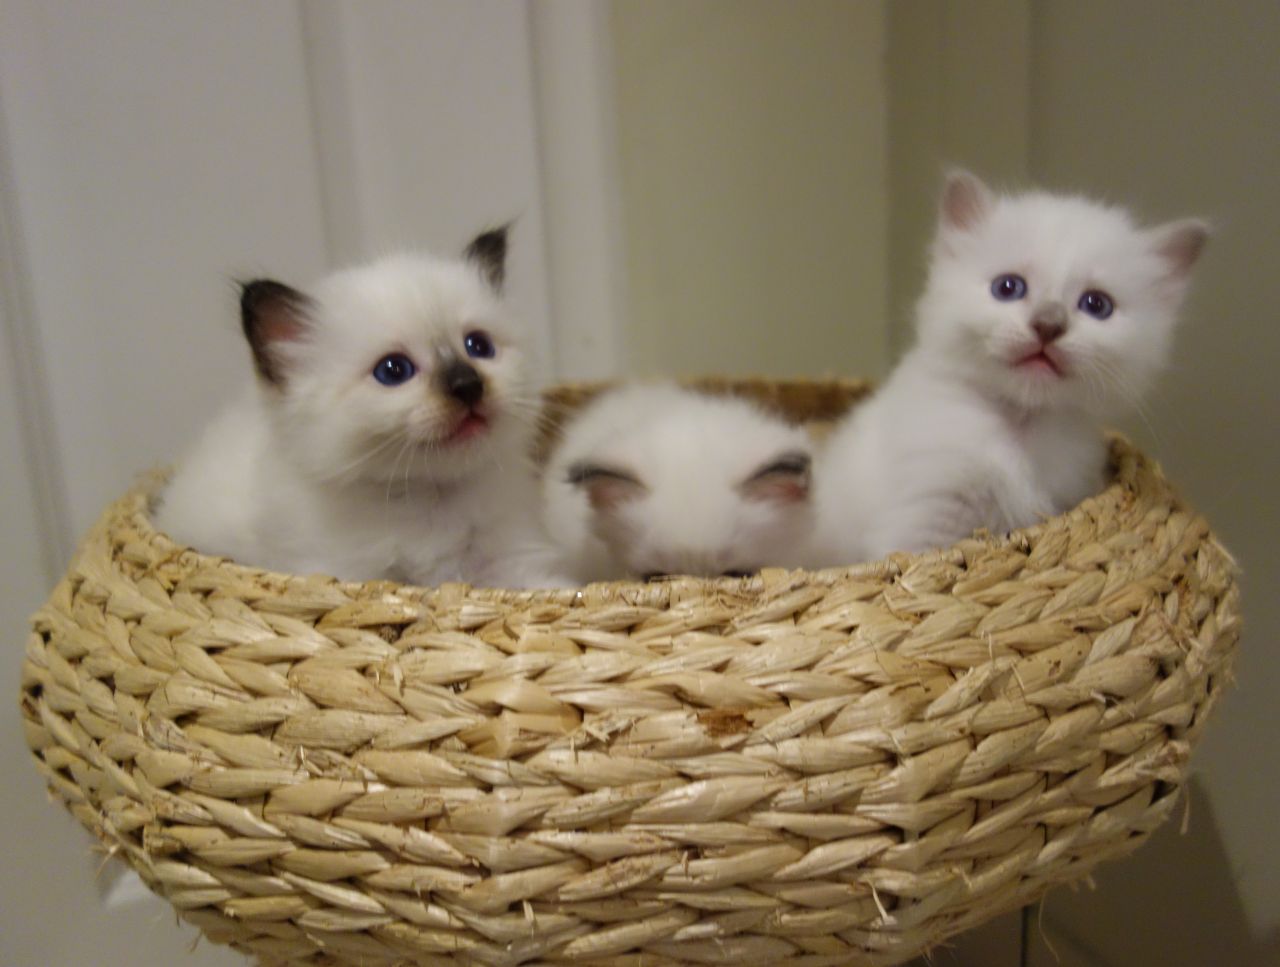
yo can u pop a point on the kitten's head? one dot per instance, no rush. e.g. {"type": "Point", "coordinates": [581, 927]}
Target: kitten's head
{"type": "Point", "coordinates": [722, 494]}
{"type": "Point", "coordinates": [403, 370]}
{"type": "Point", "coordinates": [1053, 301]}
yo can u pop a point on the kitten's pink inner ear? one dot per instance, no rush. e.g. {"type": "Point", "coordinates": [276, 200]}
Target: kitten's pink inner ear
{"type": "Point", "coordinates": [965, 201]}
{"type": "Point", "coordinates": [272, 314]}
{"type": "Point", "coordinates": [279, 322]}
{"type": "Point", "coordinates": [781, 481]}
{"type": "Point", "coordinates": [488, 251]}
{"type": "Point", "coordinates": [1181, 243]}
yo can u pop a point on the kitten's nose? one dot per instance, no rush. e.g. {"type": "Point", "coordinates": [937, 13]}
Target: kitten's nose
{"type": "Point", "coordinates": [463, 383]}
{"type": "Point", "coordinates": [1049, 322]}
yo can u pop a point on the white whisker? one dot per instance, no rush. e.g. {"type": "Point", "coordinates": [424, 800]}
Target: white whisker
{"type": "Point", "coordinates": [1110, 377]}
{"type": "Point", "coordinates": [348, 472]}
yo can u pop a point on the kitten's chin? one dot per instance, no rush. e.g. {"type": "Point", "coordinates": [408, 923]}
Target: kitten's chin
{"type": "Point", "coordinates": [1029, 386]}
{"type": "Point", "coordinates": [1034, 378]}
{"type": "Point", "coordinates": [471, 427]}
{"type": "Point", "coordinates": [471, 443]}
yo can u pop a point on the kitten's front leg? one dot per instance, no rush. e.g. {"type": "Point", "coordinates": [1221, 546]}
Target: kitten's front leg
{"type": "Point", "coordinates": [516, 554]}
{"type": "Point", "coordinates": [931, 521]}
{"type": "Point", "coordinates": [533, 569]}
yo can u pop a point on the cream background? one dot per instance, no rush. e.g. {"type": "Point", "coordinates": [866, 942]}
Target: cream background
{"type": "Point", "coordinates": [1175, 108]}
{"type": "Point", "coordinates": [752, 141]}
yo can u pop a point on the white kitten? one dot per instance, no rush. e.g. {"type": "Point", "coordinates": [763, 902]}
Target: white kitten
{"type": "Point", "coordinates": [654, 479]}
{"type": "Point", "coordinates": [386, 436]}
{"type": "Point", "coordinates": [1043, 316]}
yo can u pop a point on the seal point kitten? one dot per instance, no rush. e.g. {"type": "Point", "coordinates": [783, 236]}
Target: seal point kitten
{"type": "Point", "coordinates": [386, 434]}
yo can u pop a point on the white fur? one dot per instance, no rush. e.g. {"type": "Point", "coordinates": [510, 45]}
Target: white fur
{"type": "Point", "coordinates": [960, 437]}
{"type": "Point", "coordinates": [333, 472]}
{"type": "Point", "coordinates": [692, 515]}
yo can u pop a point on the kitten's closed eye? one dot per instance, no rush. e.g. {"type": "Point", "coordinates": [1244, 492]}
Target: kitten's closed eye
{"type": "Point", "coordinates": [1097, 304]}
{"type": "Point", "coordinates": [783, 480]}
{"type": "Point", "coordinates": [650, 576]}
{"type": "Point", "coordinates": [394, 369]}
{"type": "Point", "coordinates": [607, 487]}
{"type": "Point", "coordinates": [1009, 287]}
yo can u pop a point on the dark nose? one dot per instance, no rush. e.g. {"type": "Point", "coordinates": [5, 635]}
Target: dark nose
{"type": "Point", "coordinates": [1048, 331]}
{"type": "Point", "coordinates": [463, 383]}
{"type": "Point", "coordinates": [1049, 322]}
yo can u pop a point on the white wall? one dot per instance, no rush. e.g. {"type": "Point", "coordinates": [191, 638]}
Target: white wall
{"type": "Point", "coordinates": [574, 76]}
{"type": "Point", "coordinates": [424, 119]}
{"type": "Point", "coordinates": [158, 151]}
{"type": "Point", "coordinates": [151, 153]}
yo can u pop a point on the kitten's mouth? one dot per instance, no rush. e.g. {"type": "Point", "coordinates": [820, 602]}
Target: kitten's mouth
{"type": "Point", "coordinates": [472, 425]}
{"type": "Point", "coordinates": [1042, 360]}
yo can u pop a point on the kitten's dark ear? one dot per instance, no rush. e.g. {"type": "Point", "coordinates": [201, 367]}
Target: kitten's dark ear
{"type": "Point", "coordinates": [966, 201]}
{"type": "Point", "coordinates": [607, 488]}
{"type": "Point", "coordinates": [1180, 244]}
{"type": "Point", "coordinates": [488, 251]}
{"type": "Point", "coordinates": [272, 315]}
{"type": "Point", "coordinates": [783, 480]}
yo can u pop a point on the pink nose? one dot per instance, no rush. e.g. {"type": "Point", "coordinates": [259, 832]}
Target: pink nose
{"type": "Point", "coordinates": [1049, 321]}
{"type": "Point", "coordinates": [1048, 331]}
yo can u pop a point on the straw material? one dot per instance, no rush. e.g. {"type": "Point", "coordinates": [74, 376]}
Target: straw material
{"type": "Point", "coordinates": [838, 767]}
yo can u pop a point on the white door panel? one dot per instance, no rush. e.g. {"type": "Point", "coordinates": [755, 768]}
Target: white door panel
{"type": "Point", "coordinates": [425, 115]}
{"type": "Point", "coordinates": [151, 153]}
{"type": "Point", "coordinates": [159, 151]}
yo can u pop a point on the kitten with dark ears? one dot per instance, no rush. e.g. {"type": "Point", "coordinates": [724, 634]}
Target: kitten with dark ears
{"type": "Point", "coordinates": [1043, 316]}
{"type": "Point", "coordinates": [387, 434]}
{"type": "Point", "coordinates": [652, 480]}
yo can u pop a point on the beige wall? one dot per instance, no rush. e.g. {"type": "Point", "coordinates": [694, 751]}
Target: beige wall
{"type": "Point", "coordinates": [752, 143]}
{"type": "Point", "coordinates": [958, 94]}
{"type": "Point", "coordinates": [1175, 107]}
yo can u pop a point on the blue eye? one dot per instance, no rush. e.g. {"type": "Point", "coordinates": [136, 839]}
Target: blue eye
{"type": "Point", "coordinates": [394, 369]}
{"type": "Point", "coordinates": [1009, 287]}
{"type": "Point", "coordinates": [479, 344]}
{"type": "Point", "coordinates": [1097, 304]}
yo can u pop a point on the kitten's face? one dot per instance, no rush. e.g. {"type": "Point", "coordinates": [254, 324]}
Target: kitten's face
{"type": "Point", "coordinates": [748, 535]}
{"type": "Point", "coordinates": [1051, 301]}
{"type": "Point", "coordinates": [700, 524]}
{"type": "Point", "coordinates": [406, 370]}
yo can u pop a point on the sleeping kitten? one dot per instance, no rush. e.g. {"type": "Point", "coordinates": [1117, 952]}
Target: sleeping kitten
{"type": "Point", "coordinates": [651, 480]}
{"type": "Point", "coordinates": [1042, 317]}
{"type": "Point", "coordinates": [385, 437]}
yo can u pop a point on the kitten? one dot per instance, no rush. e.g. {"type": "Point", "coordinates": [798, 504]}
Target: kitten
{"type": "Point", "coordinates": [386, 435]}
{"type": "Point", "coordinates": [652, 480]}
{"type": "Point", "coordinates": [1042, 317]}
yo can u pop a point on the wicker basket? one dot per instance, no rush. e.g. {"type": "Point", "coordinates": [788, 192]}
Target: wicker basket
{"type": "Point", "coordinates": [837, 767]}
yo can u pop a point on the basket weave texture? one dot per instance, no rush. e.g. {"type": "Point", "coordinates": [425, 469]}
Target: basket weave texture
{"type": "Point", "coordinates": [833, 767]}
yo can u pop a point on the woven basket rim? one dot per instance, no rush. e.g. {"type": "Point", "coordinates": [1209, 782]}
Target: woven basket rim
{"type": "Point", "coordinates": [1125, 477]}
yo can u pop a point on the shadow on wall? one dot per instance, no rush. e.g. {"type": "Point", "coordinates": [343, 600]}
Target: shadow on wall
{"type": "Point", "coordinates": [1146, 910]}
